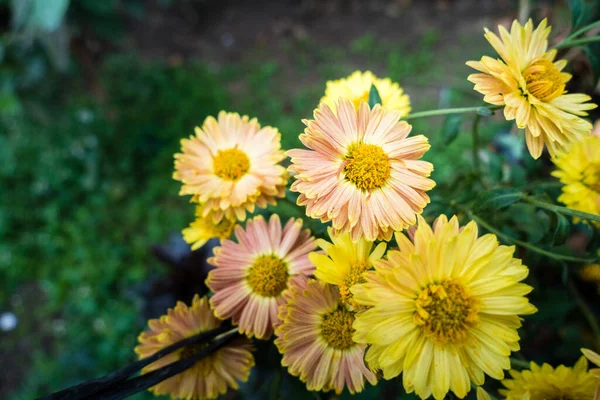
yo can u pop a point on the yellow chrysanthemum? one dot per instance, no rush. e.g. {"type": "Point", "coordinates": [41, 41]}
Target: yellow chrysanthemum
{"type": "Point", "coordinates": [594, 358]}
{"type": "Point", "coordinates": [203, 229]}
{"type": "Point", "coordinates": [345, 262]}
{"type": "Point", "coordinates": [211, 375]}
{"type": "Point", "coordinates": [579, 171]}
{"type": "Point", "coordinates": [315, 338]}
{"type": "Point", "coordinates": [444, 309]}
{"type": "Point", "coordinates": [231, 165]}
{"type": "Point", "coordinates": [357, 87]}
{"type": "Point", "coordinates": [530, 85]}
{"type": "Point", "coordinates": [361, 171]}
{"type": "Point", "coordinates": [547, 383]}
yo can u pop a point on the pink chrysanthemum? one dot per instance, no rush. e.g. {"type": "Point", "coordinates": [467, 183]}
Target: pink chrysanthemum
{"type": "Point", "coordinates": [315, 338]}
{"type": "Point", "coordinates": [362, 171]}
{"type": "Point", "coordinates": [252, 276]}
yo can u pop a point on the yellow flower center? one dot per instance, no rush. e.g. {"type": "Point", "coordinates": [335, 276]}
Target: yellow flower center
{"type": "Point", "coordinates": [231, 164]}
{"type": "Point", "coordinates": [268, 276]}
{"type": "Point", "coordinates": [354, 277]}
{"type": "Point", "coordinates": [336, 328]}
{"type": "Point", "coordinates": [367, 166]}
{"type": "Point", "coordinates": [222, 230]}
{"type": "Point", "coordinates": [445, 312]}
{"type": "Point", "coordinates": [543, 80]}
{"type": "Point", "coordinates": [591, 177]}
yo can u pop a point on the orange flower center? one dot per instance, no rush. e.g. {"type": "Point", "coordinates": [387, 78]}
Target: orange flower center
{"type": "Point", "coordinates": [336, 328]}
{"type": "Point", "coordinates": [367, 166]}
{"type": "Point", "coordinates": [543, 80]}
{"type": "Point", "coordinates": [445, 312]}
{"type": "Point", "coordinates": [231, 164]}
{"type": "Point", "coordinates": [354, 277]}
{"type": "Point", "coordinates": [268, 276]}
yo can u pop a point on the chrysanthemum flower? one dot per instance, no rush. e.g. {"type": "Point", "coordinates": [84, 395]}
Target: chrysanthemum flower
{"type": "Point", "coordinates": [530, 85]}
{"type": "Point", "coordinates": [252, 275]}
{"type": "Point", "coordinates": [231, 165]}
{"type": "Point", "coordinates": [579, 171]}
{"type": "Point", "coordinates": [444, 308]}
{"type": "Point", "coordinates": [594, 358]}
{"type": "Point", "coordinates": [361, 171]}
{"type": "Point", "coordinates": [203, 229]}
{"type": "Point", "coordinates": [211, 375]}
{"type": "Point", "coordinates": [357, 88]}
{"type": "Point", "coordinates": [345, 262]}
{"type": "Point", "coordinates": [315, 338]}
{"type": "Point", "coordinates": [545, 382]}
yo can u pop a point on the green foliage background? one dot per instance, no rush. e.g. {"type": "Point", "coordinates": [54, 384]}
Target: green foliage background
{"type": "Point", "coordinates": [85, 177]}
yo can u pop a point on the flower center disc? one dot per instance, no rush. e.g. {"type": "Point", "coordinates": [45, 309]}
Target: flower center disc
{"type": "Point", "coordinates": [231, 164]}
{"type": "Point", "coordinates": [336, 328]}
{"type": "Point", "coordinates": [354, 277]}
{"type": "Point", "coordinates": [368, 167]}
{"type": "Point", "coordinates": [268, 276]}
{"type": "Point", "coordinates": [591, 177]}
{"type": "Point", "coordinates": [543, 80]}
{"type": "Point", "coordinates": [192, 349]}
{"type": "Point", "coordinates": [445, 312]}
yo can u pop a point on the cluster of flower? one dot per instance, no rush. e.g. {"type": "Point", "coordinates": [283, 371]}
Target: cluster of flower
{"type": "Point", "coordinates": [442, 309]}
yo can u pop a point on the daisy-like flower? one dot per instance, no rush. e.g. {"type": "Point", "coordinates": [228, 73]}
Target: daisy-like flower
{"type": "Point", "coordinates": [211, 375]}
{"type": "Point", "coordinates": [579, 171]}
{"type": "Point", "coordinates": [530, 85]}
{"type": "Point", "coordinates": [315, 338]}
{"type": "Point", "coordinates": [231, 165]}
{"type": "Point", "coordinates": [357, 88]}
{"type": "Point", "coordinates": [545, 382]}
{"type": "Point", "coordinates": [203, 229]}
{"type": "Point", "coordinates": [444, 309]}
{"type": "Point", "coordinates": [345, 262]}
{"type": "Point", "coordinates": [252, 275]}
{"type": "Point", "coordinates": [361, 171]}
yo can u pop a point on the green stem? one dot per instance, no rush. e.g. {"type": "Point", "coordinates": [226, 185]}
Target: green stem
{"type": "Point", "coordinates": [583, 30]}
{"type": "Point", "coordinates": [446, 111]}
{"type": "Point", "coordinates": [526, 245]}
{"type": "Point", "coordinates": [475, 133]}
{"type": "Point", "coordinates": [519, 363]}
{"type": "Point", "coordinates": [562, 210]}
{"type": "Point", "coordinates": [577, 42]}
{"type": "Point", "coordinates": [585, 309]}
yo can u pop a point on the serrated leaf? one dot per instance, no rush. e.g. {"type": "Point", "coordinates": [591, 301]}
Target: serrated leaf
{"type": "Point", "coordinates": [486, 112]}
{"type": "Point", "coordinates": [374, 97]}
{"type": "Point", "coordinates": [562, 229]}
{"type": "Point", "coordinates": [580, 13]}
{"type": "Point", "coordinates": [498, 198]}
{"type": "Point", "coordinates": [451, 128]}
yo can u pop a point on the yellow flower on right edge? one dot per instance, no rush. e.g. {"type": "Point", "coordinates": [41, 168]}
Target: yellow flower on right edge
{"type": "Point", "coordinates": [579, 171]}
{"type": "Point", "coordinates": [530, 85]}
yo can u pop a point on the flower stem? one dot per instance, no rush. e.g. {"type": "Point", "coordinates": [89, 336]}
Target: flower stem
{"type": "Point", "coordinates": [562, 210]}
{"type": "Point", "coordinates": [584, 29]}
{"type": "Point", "coordinates": [446, 111]}
{"type": "Point", "coordinates": [526, 245]}
{"type": "Point", "coordinates": [475, 133]}
{"type": "Point", "coordinates": [585, 309]}
{"type": "Point", "coordinates": [519, 363]}
{"type": "Point", "coordinates": [577, 42]}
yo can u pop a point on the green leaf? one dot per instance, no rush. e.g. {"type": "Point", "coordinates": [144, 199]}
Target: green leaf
{"type": "Point", "coordinates": [580, 13]}
{"type": "Point", "coordinates": [486, 112]}
{"type": "Point", "coordinates": [562, 229]}
{"type": "Point", "coordinates": [374, 97]}
{"type": "Point", "coordinates": [48, 14]}
{"type": "Point", "coordinates": [592, 50]}
{"type": "Point", "coordinates": [451, 128]}
{"type": "Point", "coordinates": [497, 198]}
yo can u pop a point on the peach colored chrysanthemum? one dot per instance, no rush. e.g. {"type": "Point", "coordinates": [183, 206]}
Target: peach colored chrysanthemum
{"type": "Point", "coordinates": [211, 375]}
{"type": "Point", "coordinates": [315, 338]}
{"type": "Point", "coordinates": [252, 275]}
{"type": "Point", "coordinates": [361, 170]}
{"type": "Point", "coordinates": [530, 85]}
{"type": "Point", "coordinates": [357, 88]}
{"type": "Point", "coordinates": [231, 165]}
